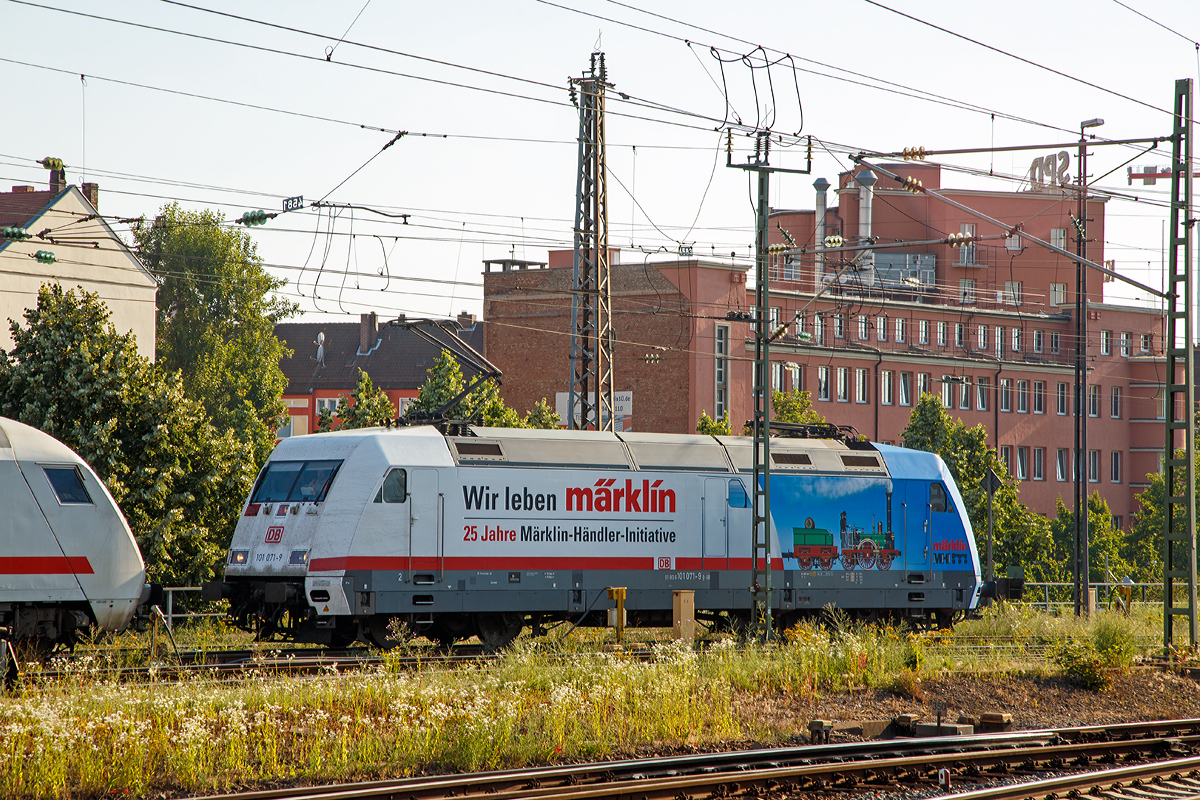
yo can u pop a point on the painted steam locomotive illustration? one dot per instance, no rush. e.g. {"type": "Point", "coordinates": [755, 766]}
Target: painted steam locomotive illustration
{"type": "Point", "coordinates": [854, 528]}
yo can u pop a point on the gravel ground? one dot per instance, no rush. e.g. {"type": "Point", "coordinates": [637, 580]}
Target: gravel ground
{"type": "Point", "coordinates": [1033, 701]}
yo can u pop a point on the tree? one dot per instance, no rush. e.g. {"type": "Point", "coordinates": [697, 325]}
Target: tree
{"type": "Point", "coordinates": [366, 407]}
{"type": "Point", "coordinates": [794, 407]}
{"type": "Point", "coordinates": [1104, 541]}
{"type": "Point", "coordinates": [713, 427]}
{"type": "Point", "coordinates": [542, 416]}
{"type": "Point", "coordinates": [446, 381]}
{"type": "Point", "coordinates": [179, 482]}
{"type": "Point", "coordinates": [1021, 536]}
{"type": "Point", "coordinates": [216, 318]}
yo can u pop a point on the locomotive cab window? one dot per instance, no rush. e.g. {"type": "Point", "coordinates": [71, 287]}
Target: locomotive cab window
{"type": "Point", "coordinates": [394, 489]}
{"type": "Point", "coordinates": [938, 501]}
{"type": "Point", "coordinates": [68, 485]}
{"type": "Point", "coordinates": [295, 481]}
{"type": "Point", "coordinates": [737, 495]}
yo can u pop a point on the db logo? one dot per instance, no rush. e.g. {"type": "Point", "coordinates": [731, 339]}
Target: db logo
{"type": "Point", "coordinates": [664, 562]}
{"type": "Point", "coordinates": [274, 534]}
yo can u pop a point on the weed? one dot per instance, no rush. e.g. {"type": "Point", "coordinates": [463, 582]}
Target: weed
{"type": "Point", "coordinates": [907, 685]}
{"type": "Point", "coordinates": [1082, 664]}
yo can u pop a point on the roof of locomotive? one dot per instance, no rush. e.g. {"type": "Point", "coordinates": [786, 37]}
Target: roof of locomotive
{"type": "Point", "coordinates": [26, 443]}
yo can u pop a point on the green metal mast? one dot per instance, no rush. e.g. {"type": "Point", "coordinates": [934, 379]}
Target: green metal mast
{"type": "Point", "coordinates": [1179, 465]}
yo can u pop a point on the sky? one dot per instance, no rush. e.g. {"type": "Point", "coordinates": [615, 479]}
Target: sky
{"type": "Point", "coordinates": [215, 105]}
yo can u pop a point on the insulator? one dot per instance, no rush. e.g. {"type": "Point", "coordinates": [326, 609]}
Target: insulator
{"type": "Point", "coordinates": [834, 241]}
{"type": "Point", "coordinates": [45, 257]}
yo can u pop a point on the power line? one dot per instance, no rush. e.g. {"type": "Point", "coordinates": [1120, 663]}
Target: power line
{"type": "Point", "coordinates": [1156, 22]}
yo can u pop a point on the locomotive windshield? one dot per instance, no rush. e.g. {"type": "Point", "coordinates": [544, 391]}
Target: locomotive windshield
{"type": "Point", "coordinates": [295, 481]}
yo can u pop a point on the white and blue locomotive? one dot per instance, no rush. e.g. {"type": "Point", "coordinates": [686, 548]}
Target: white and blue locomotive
{"type": "Point", "coordinates": [488, 531]}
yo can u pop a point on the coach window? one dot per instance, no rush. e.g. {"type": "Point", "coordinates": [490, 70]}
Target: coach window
{"type": "Point", "coordinates": [67, 485]}
{"type": "Point", "coordinates": [394, 489]}
{"type": "Point", "coordinates": [737, 495]}
{"type": "Point", "coordinates": [938, 502]}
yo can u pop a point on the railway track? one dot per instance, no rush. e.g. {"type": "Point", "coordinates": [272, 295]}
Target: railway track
{"type": "Point", "coordinates": [1144, 752]}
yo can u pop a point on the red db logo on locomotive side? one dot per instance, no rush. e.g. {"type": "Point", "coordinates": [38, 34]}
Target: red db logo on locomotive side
{"type": "Point", "coordinates": [274, 534]}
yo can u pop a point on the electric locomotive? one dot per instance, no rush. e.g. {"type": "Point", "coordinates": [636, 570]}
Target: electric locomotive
{"type": "Point", "coordinates": [67, 557]}
{"type": "Point", "coordinates": [482, 531]}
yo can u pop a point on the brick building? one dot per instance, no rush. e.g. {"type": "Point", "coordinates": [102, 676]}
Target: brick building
{"type": "Point", "coordinates": [395, 358]}
{"type": "Point", "coordinates": [987, 328]}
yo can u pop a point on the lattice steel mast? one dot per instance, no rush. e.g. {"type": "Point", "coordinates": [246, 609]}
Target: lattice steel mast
{"type": "Point", "coordinates": [591, 302]}
{"type": "Point", "coordinates": [1179, 518]}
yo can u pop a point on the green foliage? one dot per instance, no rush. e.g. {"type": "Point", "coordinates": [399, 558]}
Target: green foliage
{"type": "Point", "coordinates": [795, 407]}
{"type": "Point", "coordinates": [1103, 539]}
{"type": "Point", "coordinates": [179, 482]}
{"type": "Point", "coordinates": [216, 317]}
{"type": "Point", "coordinates": [1082, 663]}
{"type": "Point", "coordinates": [366, 407]}
{"type": "Point", "coordinates": [446, 380]}
{"type": "Point", "coordinates": [542, 416]}
{"type": "Point", "coordinates": [713, 427]}
{"type": "Point", "coordinates": [1022, 537]}
{"type": "Point", "coordinates": [1115, 637]}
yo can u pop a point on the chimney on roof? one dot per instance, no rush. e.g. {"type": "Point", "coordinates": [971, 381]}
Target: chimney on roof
{"type": "Point", "coordinates": [466, 321]}
{"type": "Point", "coordinates": [92, 192]}
{"type": "Point", "coordinates": [58, 180]}
{"type": "Point", "coordinates": [368, 332]}
{"type": "Point", "coordinates": [22, 189]}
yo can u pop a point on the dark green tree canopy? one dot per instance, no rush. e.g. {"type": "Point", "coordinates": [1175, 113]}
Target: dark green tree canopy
{"type": "Point", "coordinates": [484, 402]}
{"type": "Point", "coordinates": [366, 407]}
{"type": "Point", "coordinates": [179, 482]}
{"type": "Point", "coordinates": [216, 315]}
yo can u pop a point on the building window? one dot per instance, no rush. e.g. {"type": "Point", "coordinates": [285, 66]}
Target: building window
{"type": "Point", "coordinates": [843, 384]}
{"type": "Point", "coordinates": [862, 393]}
{"type": "Point", "coordinates": [1022, 397]}
{"type": "Point", "coordinates": [800, 326]}
{"type": "Point", "coordinates": [1126, 343]}
{"type": "Point", "coordinates": [960, 335]}
{"type": "Point", "coordinates": [881, 328]}
{"type": "Point", "coordinates": [284, 431]}
{"type": "Point", "coordinates": [1058, 294]}
{"type": "Point", "coordinates": [839, 326]}
{"type": "Point", "coordinates": [966, 291]}
{"type": "Point", "coordinates": [1012, 242]}
{"type": "Point", "coordinates": [1062, 399]}
{"type": "Point", "coordinates": [1039, 397]}
{"type": "Point", "coordinates": [983, 337]}
{"type": "Point", "coordinates": [1114, 403]}
{"type": "Point", "coordinates": [1012, 293]}
{"type": "Point", "coordinates": [1006, 394]}
{"type": "Point", "coordinates": [1054, 339]}
{"type": "Point", "coordinates": [964, 395]}
{"type": "Point", "coordinates": [941, 334]}
{"type": "Point", "coordinates": [923, 332]}
{"type": "Point", "coordinates": [1006, 458]}
{"type": "Point", "coordinates": [1106, 343]}
{"type": "Point", "coordinates": [1093, 466]}
{"type": "Point", "coordinates": [1016, 340]}
{"type": "Point", "coordinates": [773, 318]}
{"type": "Point", "coordinates": [982, 390]}
{"type": "Point", "coordinates": [722, 371]}
{"type": "Point", "coordinates": [823, 383]}
{"type": "Point", "coordinates": [947, 392]}
{"type": "Point", "coordinates": [863, 327]}
{"type": "Point", "coordinates": [999, 341]}
{"type": "Point", "coordinates": [924, 381]}
{"type": "Point", "coordinates": [1061, 469]}
{"type": "Point", "coordinates": [885, 387]}
{"type": "Point", "coordinates": [330, 403]}
{"type": "Point", "coordinates": [906, 388]}
{"type": "Point", "coordinates": [1093, 401]}
{"type": "Point", "coordinates": [901, 333]}
{"type": "Point", "coordinates": [1147, 341]}
{"type": "Point", "coordinates": [1058, 238]}
{"type": "Point", "coordinates": [1114, 472]}
{"type": "Point", "coordinates": [1039, 341]}
{"type": "Point", "coordinates": [1022, 463]}
{"type": "Point", "coordinates": [1117, 522]}
{"type": "Point", "coordinates": [818, 331]}
{"type": "Point", "coordinates": [777, 376]}
{"type": "Point", "coordinates": [1039, 464]}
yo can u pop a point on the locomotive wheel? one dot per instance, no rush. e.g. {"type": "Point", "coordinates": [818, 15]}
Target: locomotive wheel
{"type": "Point", "coordinates": [826, 563]}
{"type": "Point", "coordinates": [849, 561]}
{"type": "Point", "coordinates": [885, 561]}
{"type": "Point", "coordinates": [868, 554]}
{"type": "Point", "coordinates": [806, 562]}
{"type": "Point", "coordinates": [497, 631]}
{"type": "Point", "coordinates": [380, 634]}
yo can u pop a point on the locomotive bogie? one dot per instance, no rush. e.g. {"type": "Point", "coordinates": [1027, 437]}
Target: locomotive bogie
{"type": "Point", "coordinates": [454, 536]}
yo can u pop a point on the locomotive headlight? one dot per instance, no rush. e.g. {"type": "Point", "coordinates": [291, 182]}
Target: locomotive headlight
{"type": "Point", "coordinates": [239, 557]}
{"type": "Point", "coordinates": [299, 557]}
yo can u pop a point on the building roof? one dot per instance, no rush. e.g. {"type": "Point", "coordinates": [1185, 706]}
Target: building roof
{"type": "Point", "coordinates": [398, 359]}
{"type": "Point", "coordinates": [19, 207]}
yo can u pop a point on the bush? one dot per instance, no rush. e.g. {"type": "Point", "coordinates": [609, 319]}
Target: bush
{"type": "Point", "coordinates": [1114, 636]}
{"type": "Point", "coordinates": [907, 685]}
{"type": "Point", "coordinates": [1082, 664]}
